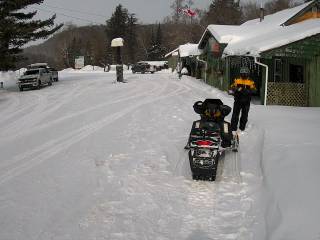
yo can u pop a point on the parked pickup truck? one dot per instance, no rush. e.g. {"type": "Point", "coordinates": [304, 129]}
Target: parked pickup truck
{"type": "Point", "coordinates": [54, 72]}
{"type": "Point", "coordinates": [35, 78]}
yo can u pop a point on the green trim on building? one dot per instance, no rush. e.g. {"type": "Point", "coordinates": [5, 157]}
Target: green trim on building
{"type": "Point", "coordinates": [306, 48]}
{"type": "Point", "coordinates": [313, 72]}
{"type": "Point", "coordinates": [296, 63]}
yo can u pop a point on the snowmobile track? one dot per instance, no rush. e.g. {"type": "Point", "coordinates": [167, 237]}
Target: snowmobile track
{"type": "Point", "coordinates": [50, 123]}
{"type": "Point", "coordinates": [53, 147]}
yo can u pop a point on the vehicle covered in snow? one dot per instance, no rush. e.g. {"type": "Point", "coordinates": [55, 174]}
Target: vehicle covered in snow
{"type": "Point", "coordinates": [143, 67]}
{"type": "Point", "coordinates": [53, 71]}
{"type": "Point", "coordinates": [35, 78]}
{"type": "Point", "coordinates": [209, 138]}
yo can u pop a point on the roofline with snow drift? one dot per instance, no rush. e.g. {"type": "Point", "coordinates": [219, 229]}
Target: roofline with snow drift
{"type": "Point", "coordinates": [301, 12]}
{"type": "Point", "coordinates": [284, 23]}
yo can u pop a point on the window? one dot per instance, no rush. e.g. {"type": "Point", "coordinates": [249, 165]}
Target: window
{"type": "Point", "coordinates": [296, 73]}
{"type": "Point", "coordinates": [314, 9]}
{"type": "Point", "coordinates": [277, 73]}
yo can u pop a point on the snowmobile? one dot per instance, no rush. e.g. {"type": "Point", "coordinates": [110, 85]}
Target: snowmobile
{"type": "Point", "coordinates": [209, 138]}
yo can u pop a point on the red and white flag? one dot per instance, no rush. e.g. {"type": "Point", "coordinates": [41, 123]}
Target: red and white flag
{"type": "Point", "coordinates": [188, 12]}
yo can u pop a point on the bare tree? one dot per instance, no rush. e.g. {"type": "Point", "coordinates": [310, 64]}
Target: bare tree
{"type": "Point", "coordinates": [250, 10]}
{"type": "Point", "coordinates": [176, 6]}
{"type": "Point", "coordinates": [278, 5]}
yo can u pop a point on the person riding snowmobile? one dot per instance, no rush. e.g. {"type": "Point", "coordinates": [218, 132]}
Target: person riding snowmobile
{"type": "Point", "coordinates": [212, 113]}
{"type": "Point", "coordinates": [242, 89]}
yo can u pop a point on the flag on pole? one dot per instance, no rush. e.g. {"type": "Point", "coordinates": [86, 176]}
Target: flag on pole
{"type": "Point", "coordinates": [188, 12]}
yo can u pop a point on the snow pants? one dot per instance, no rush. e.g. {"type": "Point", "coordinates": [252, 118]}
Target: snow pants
{"type": "Point", "coordinates": [238, 107]}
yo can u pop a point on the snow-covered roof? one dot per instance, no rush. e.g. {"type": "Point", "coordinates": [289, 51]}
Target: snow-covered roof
{"type": "Point", "coordinates": [255, 36]}
{"type": "Point", "coordinates": [279, 36]}
{"type": "Point", "coordinates": [189, 49]}
{"type": "Point", "coordinates": [172, 53]}
{"type": "Point", "coordinates": [185, 50]}
{"type": "Point", "coordinates": [278, 18]}
{"type": "Point", "coordinates": [223, 33]}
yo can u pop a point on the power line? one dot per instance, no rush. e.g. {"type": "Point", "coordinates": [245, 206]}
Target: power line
{"type": "Point", "coordinates": [76, 11]}
{"type": "Point", "coordinates": [65, 15]}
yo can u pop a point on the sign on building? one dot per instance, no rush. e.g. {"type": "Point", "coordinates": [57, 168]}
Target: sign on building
{"type": "Point", "coordinates": [79, 62]}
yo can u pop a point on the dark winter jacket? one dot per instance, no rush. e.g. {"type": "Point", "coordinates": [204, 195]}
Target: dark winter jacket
{"type": "Point", "coordinates": [243, 89]}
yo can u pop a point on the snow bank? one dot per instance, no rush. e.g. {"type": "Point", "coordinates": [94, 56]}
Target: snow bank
{"type": "Point", "coordinates": [68, 70]}
{"type": "Point", "coordinates": [92, 68]}
{"type": "Point", "coordinates": [291, 169]}
{"type": "Point", "coordinates": [113, 68]}
{"type": "Point", "coordinates": [184, 71]}
{"type": "Point", "coordinates": [96, 69]}
{"type": "Point", "coordinates": [9, 79]}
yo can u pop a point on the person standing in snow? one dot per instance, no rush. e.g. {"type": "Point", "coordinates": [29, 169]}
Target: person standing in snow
{"type": "Point", "coordinates": [242, 89]}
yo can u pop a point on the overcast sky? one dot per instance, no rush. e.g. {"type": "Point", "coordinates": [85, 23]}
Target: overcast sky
{"type": "Point", "coordinates": [82, 12]}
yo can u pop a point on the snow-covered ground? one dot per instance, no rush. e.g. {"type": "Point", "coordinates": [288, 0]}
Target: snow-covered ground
{"type": "Point", "coordinates": [90, 159]}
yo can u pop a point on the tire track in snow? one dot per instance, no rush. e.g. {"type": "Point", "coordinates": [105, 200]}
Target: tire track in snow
{"type": "Point", "coordinates": [10, 102]}
{"type": "Point", "coordinates": [51, 148]}
{"type": "Point", "coordinates": [41, 111]}
{"type": "Point", "coordinates": [155, 88]}
{"type": "Point", "coordinates": [42, 103]}
{"type": "Point", "coordinates": [76, 114]}
{"type": "Point", "coordinates": [25, 106]}
{"type": "Point", "coordinates": [13, 112]}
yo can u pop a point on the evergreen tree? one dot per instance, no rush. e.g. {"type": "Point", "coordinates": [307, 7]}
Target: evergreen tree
{"type": "Point", "coordinates": [118, 23]}
{"type": "Point", "coordinates": [152, 38]}
{"type": "Point", "coordinates": [131, 38]}
{"type": "Point", "coordinates": [123, 24]}
{"type": "Point", "coordinates": [224, 12]}
{"type": "Point", "coordinates": [18, 28]}
{"type": "Point", "coordinates": [159, 36]}
{"type": "Point", "coordinates": [156, 51]}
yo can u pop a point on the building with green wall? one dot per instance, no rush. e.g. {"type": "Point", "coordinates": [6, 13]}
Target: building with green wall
{"type": "Point", "coordinates": [282, 48]}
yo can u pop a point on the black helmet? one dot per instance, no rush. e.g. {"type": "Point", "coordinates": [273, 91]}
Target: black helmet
{"type": "Point", "coordinates": [244, 72]}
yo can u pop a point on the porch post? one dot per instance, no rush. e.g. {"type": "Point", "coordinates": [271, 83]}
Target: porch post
{"type": "Point", "coordinates": [267, 78]}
